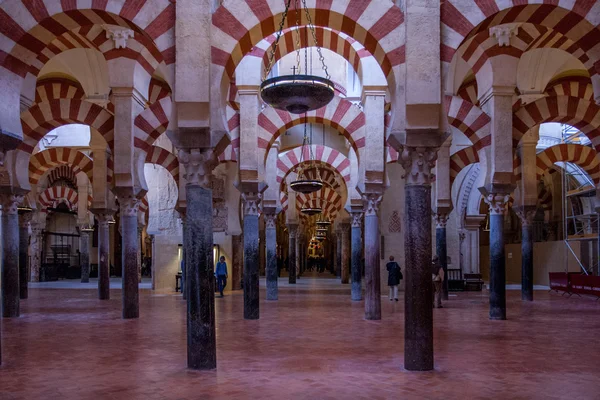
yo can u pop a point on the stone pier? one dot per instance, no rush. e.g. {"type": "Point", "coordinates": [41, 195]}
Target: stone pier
{"type": "Point", "coordinates": [251, 256]}
{"type": "Point", "coordinates": [372, 257]}
{"type": "Point", "coordinates": [10, 255]}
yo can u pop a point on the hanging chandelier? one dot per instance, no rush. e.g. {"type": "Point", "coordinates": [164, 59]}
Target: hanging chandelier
{"type": "Point", "coordinates": [304, 184]}
{"type": "Point", "coordinates": [300, 92]}
{"type": "Point", "coordinates": [310, 211]}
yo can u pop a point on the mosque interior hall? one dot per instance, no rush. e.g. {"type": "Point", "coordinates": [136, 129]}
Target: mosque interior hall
{"type": "Point", "coordinates": [299, 199]}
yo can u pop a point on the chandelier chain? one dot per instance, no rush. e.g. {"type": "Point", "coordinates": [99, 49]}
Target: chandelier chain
{"type": "Point", "coordinates": [296, 33]}
{"type": "Point", "coordinates": [314, 36]}
{"type": "Point", "coordinates": [276, 43]}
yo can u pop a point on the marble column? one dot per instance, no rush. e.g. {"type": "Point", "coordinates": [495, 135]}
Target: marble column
{"type": "Point", "coordinates": [526, 215]}
{"type": "Point", "coordinates": [345, 270]}
{"type": "Point", "coordinates": [183, 264]}
{"type": "Point", "coordinates": [36, 251]}
{"type": "Point", "coordinates": [293, 231]}
{"type": "Point", "coordinates": [199, 265]}
{"type": "Point", "coordinates": [271, 247]}
{"type": "Point", "coordinates": [441, 250]}
{"type": "Point", "coordinates": [84, 254]}
{"type": "Point", "coordinates": [418, 302]}
{"type": "Point", "coordinates": [356, 256]}
{"type": "Point", "coordinates": [10, 255]}
{"type": "Point", "coordinates": [237, 260]}
{"type": "Point", "coordinates": [103, 255]}
{"type": "Point", "coordinates": [24, 220]}
{"type": "Point", "coordinates": [497, 206]}
{"type": "Point", "coordinates": [251, 256]}
{"type": "Point", "coordinates": [153, 261]}
{"type": "Point", "coordinates": [262, 251]}
{"type": "Point", "coordinates": [298, 259]}
{"type": "Point", "coordinates": [372, 257]}
{"type": "Point", "coordinates": [129, 207]}
{"type": "Point", "coordinates": [338, 254]}
{"type": "Point", "coordinates": [140, 229]}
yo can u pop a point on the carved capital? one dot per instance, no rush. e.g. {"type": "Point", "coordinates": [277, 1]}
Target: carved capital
{"type": "Point", "coordinates": [10, 203]}
{"type": "Point", "coordinates": [503, 33]}
{"type": "Point", "coordinates": [526, 215]}
{"type": "Point", "coordinates": [24, 219]}
{"type": "Point", "coordinates": [497, 202]}
{"type": "Point", "coordinates": [129, 206]}
{"type": "Point", "coordinates": [119, 35]}
{"type": "Point", "coordinates": [418, 163]}
{"type": "Point", "coordinates": [270, 220]}
{"type": "Point", "coordinates": [198, 164]}
{"type": "Point", "coordinates": [104, 219]}
{"type": "Point", "coordinates": [357, 218]}
{"type": "Point", "coordinates": [251, 203]}
{"type": "Point", "coordinates": [293, 230]}
{"type": "Point", "coordinates": [441, 219]}
{"type": "Point", "coordinates": [372, 201]}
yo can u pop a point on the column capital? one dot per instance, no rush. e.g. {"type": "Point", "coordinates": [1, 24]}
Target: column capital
{"type": "Point", "coordinates": [292, 230]}
{"type": "Point", "coordinates": [418, 162]}
{"type": "Point", "coordinates": [270, 220]}
{"type": "Point", "coordinates": [25, 218]}
{"type": "Point", "coordinates": [526, 214]}
{"type": "Point", "coordinates": [251, 202]}
{"type": "Point", "coordinates": [497, 202]}
{"type": "Point", "coordinates": [345, 228]}
{"type": "Point", "coordinates": [104, 217]}
{"type": "Point", "coordinates": [371, 202]}
{"type": "Point", "coordinates": [10, 203]}
{"type": "Point", "coordinates": [357, 217]}
{"type": "Point", "coordinates": [198, 164]}
{"type": "Point", "coordinates": [129, 206]}
{"type": "Point", "coordinates": [441, 219]}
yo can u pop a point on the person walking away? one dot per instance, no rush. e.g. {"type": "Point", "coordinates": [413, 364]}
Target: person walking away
{"type": "Point", "coordinates": [394, 276]}
{"type": "Point", "coordinates": [437, 275]}
{"type": "Point", "coordinates": [221, 273]}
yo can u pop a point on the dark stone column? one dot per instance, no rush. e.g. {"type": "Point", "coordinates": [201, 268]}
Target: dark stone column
{"type": "Point", "coordinates": [24, 219]}
{"type": "Point", "coordinates": [372, 257]}
{"type": "Point", "coordinates": [497, 203]}
{"type": "Point", "coordinates": [271, 245]}
{"type": "Point", "coordinates": [103, 255]}
{"type": "Point", "coordinates": [184, 231]}
{"type": "Point", "coordinates": [140, 229]}
{"type": "Point", "coordinates": [237, 260]}
{"type": "Point", "coordinates": [418, 301]}
{"type": "Point", "coordinates": [201, 337]}
{"type": "Point", "coordinates": [526, 215]}
{"type": "Point", "coordinates": [84, 253]}
{"type": "Point", "coordinates": [356, 258]}
{"type": "Point", "coordinates": [251, 256]}
{"type": "Point", "coordinates": [293, 231]}
{"type": "Point", "coordinates": [441, 249]}
{"type": "Point", "coordinates": [129, 206]}
{"type": "Point", "coordinates": [10, 255]}
{"type": "Point", "coordinates": [262, 250]}
{"type": "Point", "coordinates": [338, 254]}
{"type": "Point", "coordinates": [345, 253]}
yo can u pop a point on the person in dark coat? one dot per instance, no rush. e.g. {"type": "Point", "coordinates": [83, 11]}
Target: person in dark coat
{"type": "Point", "coordinates": [437, 276]}
{"type": "Point", "coordinates": [394, 276]}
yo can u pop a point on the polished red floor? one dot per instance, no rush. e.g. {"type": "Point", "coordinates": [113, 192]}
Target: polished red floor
{"type": "Point", "coordinates": [313, 343]}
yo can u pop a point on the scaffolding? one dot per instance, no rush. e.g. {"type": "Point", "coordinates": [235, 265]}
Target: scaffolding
{"type": "Point", "coordinates": [578, 226]}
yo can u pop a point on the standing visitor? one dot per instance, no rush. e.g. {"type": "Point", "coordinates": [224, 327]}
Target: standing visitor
{"type": "Point", "coordinates": [437, 275]}
{"type": "Point", "coordinates": [394, 276]}
{"type": "Point", "coordinates": [221, 273]}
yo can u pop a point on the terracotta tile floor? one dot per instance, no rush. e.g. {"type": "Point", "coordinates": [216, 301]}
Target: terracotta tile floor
{"type": "Point", "coordinates": [313, 343]}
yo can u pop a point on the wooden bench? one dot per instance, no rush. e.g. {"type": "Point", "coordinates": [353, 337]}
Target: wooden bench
{"type": "Point", "coordinates": [473, 283]}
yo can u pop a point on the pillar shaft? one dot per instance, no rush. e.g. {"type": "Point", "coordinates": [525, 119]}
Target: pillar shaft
{"type": "Point", "coordinates": [237, 261]}
{"type": "Point", "coordinates": [10, 255]}
{"type": "Point", "coordinates": [103, 257]}
{"type": "Point", "coordinates": [130, 248]}
{"type": "Point", "coordinates": [36, 251]}
{"type": "Point", "coordinates": [338, 255]}
{"type": "Point", "coordinates": [526, 214]}
{"type": "Point", "coordinates": [271, 250]}
{"type": "Point", "coordinates": [345, 270]}
{"type": "Point", "coordinates": [84, 254]}
{"type": "Point", "coordinates": [372, 255]}
{"type": "Point", "coordinates": [356, 257]}
{"type": "Point", "coordinates": [497, 203]}
{"type": "Point", "coordinates": [24, 220]}
{"type": "Point", "coordinates": [293, 230]}
{"type": "Point", "coordinates": [251, 256]}
{"type": "Point", "coordinates": [418, 302]}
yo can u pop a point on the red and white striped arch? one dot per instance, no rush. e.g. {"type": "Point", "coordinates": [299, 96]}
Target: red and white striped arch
{"type": "Point", "coordinates": [574, 86]}
{"type": "Point", "coordinates": [462, 159]}
{"type": "Point", "coordinates": [340, 114]}
{"type": "Point", "coordinates": [468, 92]}
{"type": "Point", "coordinates": [152, 122]}
{"type": "Point", "coordinates": [41, 118]}
{"type": "Point", "coordinates": [158, 90]}
{"type": "Point", "coordinates": [233, 125]}
{"type": "Point", "coordinates": [57, 88]}
{"type": "Point", "coordinates": [583, 156]}
{"type": "Point", "coordinates": [51, 197]}
{"type": "Point", "coordinates": [322, 154]}
{"type": "Point", "coordinates": [41, 162]}
{"type": "Point", "coordinates": [159, 156]}
{"type": "Point", "coordinates": [326, 175]}
{"type": "Point", "coordinates": [29, 28]}
{"type": "Point", "coordinates": [283, 199]}
{"type": "Point", "coordinates": [467, 117]}
{"type": "Point", "coordinates": [580, 113]}
{"type": "Point", "coordinates": [577, 20]}
{"type": "Point", "coordinates": [238, 27]}
{"type": "Point", "coordinates": [327, 199]}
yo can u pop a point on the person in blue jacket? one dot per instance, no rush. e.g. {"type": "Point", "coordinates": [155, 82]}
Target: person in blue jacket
{"type": "Point", "coordinates": [221, 272]}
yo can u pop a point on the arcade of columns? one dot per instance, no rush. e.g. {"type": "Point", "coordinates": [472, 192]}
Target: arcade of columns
{"type": "Point", "coordinates": [444, 85]}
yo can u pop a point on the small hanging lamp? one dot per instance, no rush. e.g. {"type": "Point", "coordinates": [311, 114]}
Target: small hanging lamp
{"type": "Point", "coordinates": [300, 92]}
{"type": "Point", "coordinates": [311, 210]}
{"type": "Point", "coordinates": [303, 184]}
